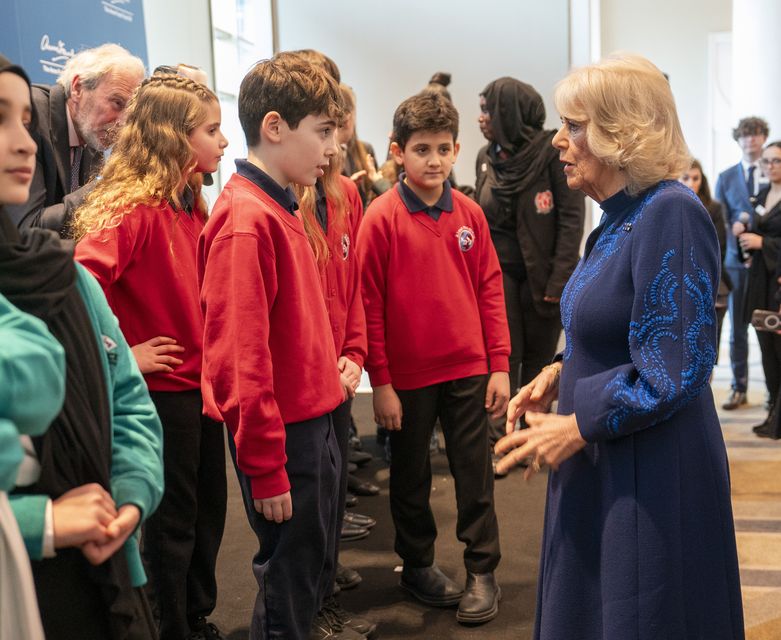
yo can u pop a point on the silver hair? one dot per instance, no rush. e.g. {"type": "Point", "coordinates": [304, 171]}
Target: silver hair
{"type": "Point", "coordinates": [91, 65]}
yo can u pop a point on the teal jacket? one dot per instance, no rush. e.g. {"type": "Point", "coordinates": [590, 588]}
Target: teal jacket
{"type": "Point", "coordinates": [32, 384]}
{"type": "Point", "coordinates": [137, 437]}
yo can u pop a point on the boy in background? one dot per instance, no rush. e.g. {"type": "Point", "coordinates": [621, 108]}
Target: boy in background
{"type": "Point", "coordinates": [270, 367]}
{"type": "Point", "coordinates": [438, 348]}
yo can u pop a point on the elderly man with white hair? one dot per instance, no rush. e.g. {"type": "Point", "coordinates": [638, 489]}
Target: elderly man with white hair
{"type": "Point", "coordinates": [77, 120]}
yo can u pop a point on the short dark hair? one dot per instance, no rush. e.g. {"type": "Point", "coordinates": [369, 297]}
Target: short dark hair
{"type": "Point", "coordinates": [322, 60]}
{"type": "Point", "coordinates": [426, 111]}
{"type": "Point", "coordinates": [751, 126]}
{"type": "Point", "coordinates": [289, 85]}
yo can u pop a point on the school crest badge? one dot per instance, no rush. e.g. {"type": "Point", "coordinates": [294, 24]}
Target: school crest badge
{"type": "Point", "coordinates": [345, 246]}
{"type": "Point", "coordinates": [543, 202]}
{"type": "Point", "coordinates": [111, 348]}
{"type": "Point", "coordinates": [466, 238]}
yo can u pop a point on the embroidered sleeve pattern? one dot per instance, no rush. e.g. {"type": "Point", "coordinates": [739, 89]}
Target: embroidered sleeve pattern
{"type": "Point", "coordinates": [655, 384]}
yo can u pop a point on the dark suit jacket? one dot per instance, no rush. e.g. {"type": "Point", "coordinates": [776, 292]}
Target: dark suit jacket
{"type": "Point", "coordinates": [50, 199]}
{"type": "Point", "coordinates": [762, 284]}
{"type": "Point", "coordinates": [731, 191]}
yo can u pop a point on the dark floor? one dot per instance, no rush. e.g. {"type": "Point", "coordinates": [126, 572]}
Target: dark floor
{"type": "Point", "coordinates": [519, 507]}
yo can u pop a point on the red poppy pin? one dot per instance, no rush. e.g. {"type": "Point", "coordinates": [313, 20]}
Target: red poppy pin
{"type": "Point", "coordinates": [543, 201]}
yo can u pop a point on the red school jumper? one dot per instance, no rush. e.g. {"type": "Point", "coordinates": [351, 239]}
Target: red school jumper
{"type": "Point", "coordinates": [432, 292]}
{"type": "Point", "coordinates": [269, 356]}
{"type": "Point", "coordinates": [146, 266]}
{"type": "Point", "coordinates": [340, 278]}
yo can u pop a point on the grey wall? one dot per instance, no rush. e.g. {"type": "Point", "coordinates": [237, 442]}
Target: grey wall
{"type": "Point", "coordinates": [179, 31]}
{"type": "Point", "coordinates": [388, 50]}
{"type": "Point", "coordinates": [674, 36]}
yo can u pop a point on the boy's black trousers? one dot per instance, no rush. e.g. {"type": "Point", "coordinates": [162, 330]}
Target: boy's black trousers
{"type": "Point", "coordinates": [182, 537]}
{"type": "Point", "coordinates": [460, 407]}
{"type": "Point", "coordinates": [341, 417]}
{"type": "Point", "coordinates": [294, 563]}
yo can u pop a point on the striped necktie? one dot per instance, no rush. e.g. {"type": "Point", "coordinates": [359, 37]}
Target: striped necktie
{"type": "Point", "coordinates": [75, 166]}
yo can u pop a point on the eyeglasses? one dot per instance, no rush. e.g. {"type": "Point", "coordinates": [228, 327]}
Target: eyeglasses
{"type": "Point", "coordinates": [766, 162]}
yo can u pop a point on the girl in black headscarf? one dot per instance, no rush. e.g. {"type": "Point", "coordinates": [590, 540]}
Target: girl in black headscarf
{"type": "Point", "coordinates": [536, 222]}
{"type": "Point", "coordinates": [96, 473]}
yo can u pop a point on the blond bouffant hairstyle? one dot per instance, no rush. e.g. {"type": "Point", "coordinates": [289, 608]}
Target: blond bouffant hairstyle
{"type": "Point", "coordinates": [630, 117]}
{"type": "Point", "coordinates": [152, 154]}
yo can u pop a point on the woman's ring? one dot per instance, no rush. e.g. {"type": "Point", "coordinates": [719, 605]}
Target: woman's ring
{"type": "Point", "coordinates": [535, 465]}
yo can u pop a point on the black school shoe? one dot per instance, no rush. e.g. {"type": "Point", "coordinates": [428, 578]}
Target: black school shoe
{"type": "Point", "coordinates": [327, 626]}
{"type": "Point", "coordinates": [480, 602]}
{"type": "Point", "coordinates": [349, 620]}
{"type": "Point", "coordinates": [350, 501]}
{"type": "Point", "coordinates": [361, 487]}
{"type": "Point", "coordinates": [351, 532]}
{"type": "Point", "coordinates": [431, 586]}
{"type": "Point", "coordinates": [346, 578]}
{"type": "Point", "coordinates": [359, 458]}
{"type": "Point", "coordinates": [766, 430]}
{"type": "Point", "coordinates": [203, 630]}
{"type": "Point", "coordinates": [360, 520]}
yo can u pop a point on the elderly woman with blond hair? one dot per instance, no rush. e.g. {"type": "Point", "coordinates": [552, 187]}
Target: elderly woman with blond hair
{"type": "Point", "coordinates": [639, 540]}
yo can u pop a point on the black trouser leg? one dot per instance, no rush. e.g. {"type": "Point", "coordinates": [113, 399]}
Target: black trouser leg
{"type": "Point", "coordinates": [182, 538]}
{"type": "Point", "coordinates": [342, 420]}
{"type": "Point", "coordinates": [533, 340]}
{"type": "Point", "coordinates": [540, 337]}
{"type": "Point", "coordinates": [465, 427]}
{"type": "Point", "coordinates": [294, 560]}
{"type": "Point", "coordinates": [771, 360]}
{"type": "Point", "coordinates": [512, 304]}
{"type": "Point", "coordinates": [410, 477]}
{"type": "Point", "coordinates": [209, 523]}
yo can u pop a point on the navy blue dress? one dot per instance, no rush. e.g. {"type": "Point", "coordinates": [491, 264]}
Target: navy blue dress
{"type": "Point", "coordinates": [639, 541]}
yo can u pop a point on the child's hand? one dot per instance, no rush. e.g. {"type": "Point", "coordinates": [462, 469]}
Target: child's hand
{"type": "Point", "coordinates": [372, 172]}
{"type": "Point", "coordinates": [350, 371]}
{"type": "Point", "coordinates": [151, 355]}
{"type": "Point", "coordinates": [387, 408]}
{"type": "Point", "coordinates": [276, 508]}
{"type": "Point", "coordinates": [497, 394]}
{"type": "Point", "coordinates": [82, 515]}
{"type": "Point", "coordinates": [118, 530]}
{"type": "Point", "coordinates": [347, 387]}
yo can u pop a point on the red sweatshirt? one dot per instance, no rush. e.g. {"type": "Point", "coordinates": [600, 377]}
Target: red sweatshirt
{"type": "Point", "coordinates": [147, 269]}
{"type": "Point", "coordinates": [341, 279]}
{"type": "Point", "coordinates": [269, 356]}
{"type": "Point", "coordinates": [432, 293]}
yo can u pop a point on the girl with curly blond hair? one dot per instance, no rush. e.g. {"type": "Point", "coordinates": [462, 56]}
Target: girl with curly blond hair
{"type": "Point", "coordinates": [137, 233]}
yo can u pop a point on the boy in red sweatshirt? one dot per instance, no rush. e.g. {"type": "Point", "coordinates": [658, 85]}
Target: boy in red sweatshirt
{"type": "Point", "coordinates": [438, 348]}
{"type": "Point", "coordinates": [270, 366]}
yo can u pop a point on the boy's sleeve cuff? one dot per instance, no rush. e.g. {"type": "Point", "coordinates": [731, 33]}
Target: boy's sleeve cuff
{"type": "Point", "coordinates": [498, 362]}
{"type": "Point", "coordinates": [357, 358]}
{"type": "Point", "coordinates": [269, 485]}
{"type": "Point", "coordinates": [380, 377]}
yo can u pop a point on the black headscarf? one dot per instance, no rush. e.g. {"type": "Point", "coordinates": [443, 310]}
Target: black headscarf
{"type": "Point", "coordinates": [517, 119]}
{"type": "Point", "coordinates": [38, 276]}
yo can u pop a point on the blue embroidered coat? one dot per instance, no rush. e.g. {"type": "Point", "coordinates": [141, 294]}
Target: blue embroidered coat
{"type": "Point", "coordinates": [639, 541]}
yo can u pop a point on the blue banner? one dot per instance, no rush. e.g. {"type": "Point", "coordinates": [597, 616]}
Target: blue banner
{"type": "Point", "coordinates": [41, 35]}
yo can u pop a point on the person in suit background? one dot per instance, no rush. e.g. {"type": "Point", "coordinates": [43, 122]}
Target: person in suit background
{"type": "Point", "coordinates": [735, 189]}
{"type": "Point", "coordinates": [78, 118]}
